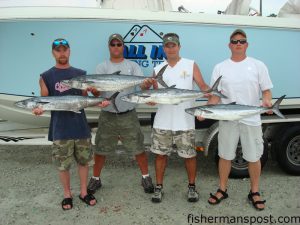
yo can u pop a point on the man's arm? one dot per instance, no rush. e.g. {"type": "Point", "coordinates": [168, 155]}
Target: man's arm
{"type": "Point", "coordinates": [197, 76]}
{"type": "Point", "coordinates": [137, 71]}
{"type": "Point", "coordinates": [43, 87]}
{"type": "Point", "coordinates": [212, 99]}
{"type": "Point", "coordinates": [267, 99]}
{"type": "Point", "coordinates": [44, 92]}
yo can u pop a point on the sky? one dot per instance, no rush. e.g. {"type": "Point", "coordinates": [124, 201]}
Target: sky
{"type": "Point", "coordinates": [212, 6]}
{"type": "Point", "coordinates": [207, 6]}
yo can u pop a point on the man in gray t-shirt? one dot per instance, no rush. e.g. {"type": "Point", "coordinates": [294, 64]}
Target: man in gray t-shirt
{"type": "Point", "coordinates": [124, 125]}
{"type": "Point", "coordinates": [126, 67]}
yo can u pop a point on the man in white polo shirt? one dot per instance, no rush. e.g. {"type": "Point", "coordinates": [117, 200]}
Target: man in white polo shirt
{"type": "Point", "coordinates": [244, 81]}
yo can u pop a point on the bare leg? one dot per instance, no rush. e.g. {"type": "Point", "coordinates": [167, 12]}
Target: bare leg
{"type": "Point", "coordinates": [160, 166]}
{"type": "Point", "coordinates": [65, 181]}
{"type": "Point", "coordinates": [99, 163]}
{"type": "Point", "coordinates": [83, 172]}
{"type": "Point", "coordinates": [142, 161]}
{"type": "Point", "coordinates": [254, 169]}
{"type": "Point", "coordinates": [224, 170]}
{"type": "Point", "coordinates": [191, 168]}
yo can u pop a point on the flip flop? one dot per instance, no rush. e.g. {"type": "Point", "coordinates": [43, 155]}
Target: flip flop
{"type": "Point", "coordinates": [65, 202]}
{"type": "Point", "coordinates": [87, 199]}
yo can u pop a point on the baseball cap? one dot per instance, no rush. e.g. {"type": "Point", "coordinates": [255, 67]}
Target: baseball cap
{"type": "Point", "coordinates": [238, 31]}
{"type": "Point", "coordinates": [60, 42]}
{"type": "Point", "coordinates": [171, 38]}
{"type": "Point", "coordinates": [115, 36]}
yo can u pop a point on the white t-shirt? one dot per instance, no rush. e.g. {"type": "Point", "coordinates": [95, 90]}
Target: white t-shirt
{"type": "Point", "coordinates": [242, 82]}
{"type": "Point", "coordinates": [173, 117]}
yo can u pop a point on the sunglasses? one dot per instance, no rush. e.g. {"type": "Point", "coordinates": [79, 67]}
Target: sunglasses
{"type": "Point", "coordinates": [242, 41]}
{"type": "Point", "coordinates": [114, 45]}
{"type": "Point", "coordinates": [60, 42]}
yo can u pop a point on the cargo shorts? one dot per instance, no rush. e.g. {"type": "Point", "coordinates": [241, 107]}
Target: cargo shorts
{"type": "Point", "coordinates": [112, 127]}
{"type": "Point", "coordinates": [251, 139]}
{"type": "Point", "coordinates": [64, 151]}
{"type": "Point", "coordinates": [163, 142]}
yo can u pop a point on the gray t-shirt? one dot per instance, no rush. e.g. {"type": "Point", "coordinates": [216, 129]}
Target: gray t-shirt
{"type": "Point", "coordinates": [126, 67]}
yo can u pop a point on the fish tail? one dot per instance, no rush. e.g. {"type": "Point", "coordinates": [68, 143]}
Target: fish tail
{"type": "Point", "coordinates": [112, 99]}
{"type": "Point", "coordinates": [214, 89]}
{"type": "Point", "coordinates": [159, 76]}
{"type": "Point", "coordinates": [275, 107]}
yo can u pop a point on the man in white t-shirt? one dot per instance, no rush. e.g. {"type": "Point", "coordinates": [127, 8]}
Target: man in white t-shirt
{"type": "Point", "coordinates": [244, 81]}
{"type": "Point", "coordinates": [172, 125]}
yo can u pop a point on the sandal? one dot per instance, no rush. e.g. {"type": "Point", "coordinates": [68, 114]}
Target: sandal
{"type": "Point", "coordinates": [87, 199]}
{"type": "Point", "coordinates": [255, 203]}
{"type": "Point", "coordinates": [218, 200]}
{"type": "Point", "coordinates": [65, 202]}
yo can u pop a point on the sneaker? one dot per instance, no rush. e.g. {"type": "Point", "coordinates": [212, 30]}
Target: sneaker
{"type": "Point", "coordinates": [93, 185]}
{"type": "Point", "coordinates": [158, 193]}
{"type": "Point", "coordinates": [192, 195]}
{"type": "Point", "coordinates": [147, 185]}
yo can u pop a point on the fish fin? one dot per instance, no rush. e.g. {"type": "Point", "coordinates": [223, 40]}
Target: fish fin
{"type": "Point", "coordinates": [275, 107]}
{"type": "Point", "coordinates": [117, 72]}
{"type": "Point", "coordinates": [89, 82]}
{"type": "Point", "coordinates": [42, 102]}
{"type": "Point", "coordinates": [144, 96]}
{"type": "Point", "coordinates": [207, 111]}
{"type": "Point", "coordinates": [159, 76]}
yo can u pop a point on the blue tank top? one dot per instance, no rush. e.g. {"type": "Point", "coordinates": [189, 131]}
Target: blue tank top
{"type": "Point", "coordinates": [65, 125]}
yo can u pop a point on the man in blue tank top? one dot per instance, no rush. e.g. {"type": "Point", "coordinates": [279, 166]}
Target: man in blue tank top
{"type": "Point", "coordinates": [69, 131]}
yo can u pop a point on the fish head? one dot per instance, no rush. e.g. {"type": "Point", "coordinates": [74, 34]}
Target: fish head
{"type": "Point", "coordinates": [190, 111]}
{"type": "Point", "coordinates": [72, 83]}
{"type": "Point", "coordinates": [26, 104]}
{"type": "Point", "coordinates": [130, 98]}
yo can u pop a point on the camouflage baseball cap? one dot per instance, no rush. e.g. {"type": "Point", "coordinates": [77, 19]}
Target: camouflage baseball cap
{"type": "Point", "coordinates": [115, 36]}
{"type": "Point", "coordinates": [171, 38]}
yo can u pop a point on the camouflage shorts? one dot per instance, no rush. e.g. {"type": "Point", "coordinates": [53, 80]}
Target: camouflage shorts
{"type": "Point", "coordinates": [63, 152]}
{"type": "Point", "coordinates": [111, 127]}
{"type": "Point", "coordinates": [164, 142]}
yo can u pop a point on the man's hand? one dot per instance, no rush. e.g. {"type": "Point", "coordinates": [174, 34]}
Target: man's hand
{"type": "Point", "coordinates": [104, 104]}
{"type": "Point", "coordinates": [207, 95]}
{"type": "Point", "coordinates": [200, 118]}
{"type": "Point", "coordinates": [267, 103]}
{"type": "Point", "coordinates": [151, 103]}
{"type": "Point", "coordinates": [37, 111]}
{"type": "Point", "coordinates": [147, 83]}
{"type": "Point", "coordinates": [94, 91]}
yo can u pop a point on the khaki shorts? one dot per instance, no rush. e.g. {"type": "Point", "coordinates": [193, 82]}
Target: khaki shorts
{"type": "Point", "coordinates": [163, 142]}
{"type": "Point", "coordinates": [63, 152]}
{"type": "Point", "coordinates": [125, 126]}
{"type": "Point", "coordinates": [251, 139]}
